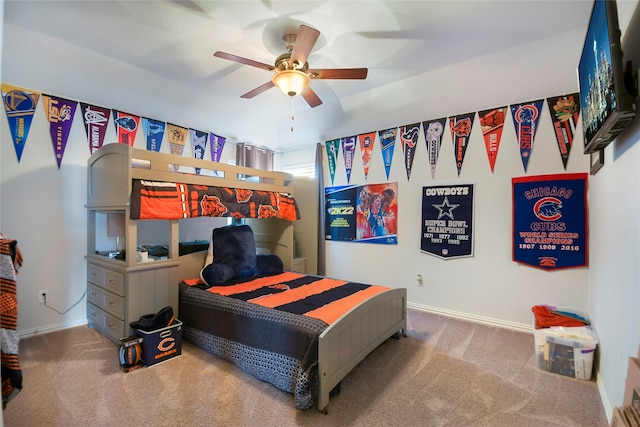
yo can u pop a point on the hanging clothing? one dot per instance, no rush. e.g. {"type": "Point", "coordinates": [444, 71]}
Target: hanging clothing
{"type": "Point", "coordinates": [10, 263]}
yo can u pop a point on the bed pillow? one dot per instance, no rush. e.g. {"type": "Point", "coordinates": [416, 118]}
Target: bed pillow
{"type": "Point", "coordinates": [234, 256]}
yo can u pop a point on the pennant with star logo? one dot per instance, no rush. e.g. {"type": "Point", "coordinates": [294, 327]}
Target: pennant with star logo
{"type": "Point", "coordinates": [332, 156]}
{"type": "Point", "coordinates": [366, 148]}
{"type": "Point", "coordinates": [20, 106]}
{"type": "Point", "coordinates": [447, 220]}
{"type": "Point", "coordinates": [433, 131]}
{"type": "Point", "coordinates": [198, 144]}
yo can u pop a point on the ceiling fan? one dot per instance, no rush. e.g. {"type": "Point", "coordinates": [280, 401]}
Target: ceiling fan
{"type": "Point", "coordinates": [291, 70]}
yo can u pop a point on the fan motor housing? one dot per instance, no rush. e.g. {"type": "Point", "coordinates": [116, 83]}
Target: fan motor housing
{"type": "Point", "coordinates": [283, 62]}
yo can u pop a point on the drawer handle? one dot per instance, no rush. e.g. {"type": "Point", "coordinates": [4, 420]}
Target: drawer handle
{"type": "Point", "coordinates": [93, 294]}
{"type": "Point", "coordinates": [111, 304]}
{"type": "Point", "coordinates": [112, 281]}
{"type": "Point", "coordinates": [94, 315]}
{"type": "Point", "coordinates": [112, 327]}
{"type": "Point", "coordinates": [93, 274]}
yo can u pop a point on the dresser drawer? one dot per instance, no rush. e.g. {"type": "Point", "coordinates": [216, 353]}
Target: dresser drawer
{"type": "Point", "coordinates": [114, 282]}
{"type": "Point", "coordinates": [95, 274]}
{"type": "Point", "coordinates": [95, 317]}
{"type": "Point", "coordinates": [113, 328]}
{"type": "Point", "coordinates": [114, 304]}
{"type": "Point", "coordinates": [95, 295]}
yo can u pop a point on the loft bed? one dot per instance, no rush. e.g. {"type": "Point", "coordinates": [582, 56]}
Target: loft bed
{"type": "Point", "coordinates": [333, 350]}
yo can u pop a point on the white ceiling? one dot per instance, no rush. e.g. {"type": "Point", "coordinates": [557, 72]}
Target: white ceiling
{"type": "Point", "coordinates": [175, 40]}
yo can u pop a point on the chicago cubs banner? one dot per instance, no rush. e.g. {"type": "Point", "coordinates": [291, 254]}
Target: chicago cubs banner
{"type": "Point", "coordinates": [447, 220]}
{"type": "Point", "coordinates": [362, 213]}
{"type": "Point", "coordinates": [550, 221]}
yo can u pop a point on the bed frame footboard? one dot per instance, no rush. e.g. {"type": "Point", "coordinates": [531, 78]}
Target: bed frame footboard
{"type": "Point", "coordinates": [356, 334]}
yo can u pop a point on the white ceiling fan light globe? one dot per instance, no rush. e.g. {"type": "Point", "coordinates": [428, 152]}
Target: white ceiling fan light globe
{"type": "Point", "coordinates": [291, 82]}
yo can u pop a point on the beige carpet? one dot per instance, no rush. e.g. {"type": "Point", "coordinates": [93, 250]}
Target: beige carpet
{"type": "Point", "coordinates": [445, 373]}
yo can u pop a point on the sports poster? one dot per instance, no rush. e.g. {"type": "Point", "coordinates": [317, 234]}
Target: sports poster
{"type": "Point", "coordinates": [550, 221]}
{"type": "Point", "coordinates": [362, 213]}
{"type": "Point", "coordinates": [564, 110]}
{"type": "Point", "coordinates": [447, 220]}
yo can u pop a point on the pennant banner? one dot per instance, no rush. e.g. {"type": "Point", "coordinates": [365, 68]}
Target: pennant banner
{"type": "Point", "coordinates": [126, 127]}
{"type": "Point", "coordinates": [217, 145]}
{"type": "Point", "coordinates": [59, 112]}
{"type": "Point", "coordinates": [564, 110]}
{"type": "Point", "coordinates": [362, 213]}
{"type": "Point", "coordinates": [433, 131]}
{"type": "Point", "coordinates": [460, 132]}
{"type": "Point", "coordinates": [20, 106]}
{"type": "Point", "coordinates": [409, 137]}
{"type": "Point", "coordinates": [550, 221]}
{"type": "Point", "coordinates": [447, 220]}
{"type": "Point", "coordinates": [96, 120]}
{"type": "Point", "coordinates": [348, 151]}
{"type": "Point", "coordinates": [367, 141]}
{"type": "Point", "coordinates": [332, 156]}
{"type": "Point", "coordinates": [492, 123]}
{"type": "Point", "coordinates": [198, 145]}
{"type": "Point", "coordinates": [387, 139]}
{"type": "Point", "coordinates": [153, 133]}
{"type": "Point", "coordinates": [177, 139]}
{"type": "Point", "coordinates": [525, 122]}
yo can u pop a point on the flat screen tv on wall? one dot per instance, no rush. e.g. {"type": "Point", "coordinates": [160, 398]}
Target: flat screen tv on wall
{"type": "Point", "coordinates": [607, 105]}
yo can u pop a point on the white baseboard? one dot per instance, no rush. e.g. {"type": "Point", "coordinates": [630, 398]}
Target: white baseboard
{"type": "Point", "coordinates": [473, 318]}
{"type": "Point", "coordinates": [50, 328]}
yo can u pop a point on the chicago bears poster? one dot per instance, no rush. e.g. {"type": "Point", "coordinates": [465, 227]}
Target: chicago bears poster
{"type": "Point", "coordinates": [550, 221]}
{"type": "Point", "coordinates": [447, 220]}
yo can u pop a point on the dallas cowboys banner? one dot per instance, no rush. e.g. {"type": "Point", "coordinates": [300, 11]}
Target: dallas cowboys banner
{"type": "Point", "coordinates": [550, 220]}
{"type": "Point", "coordinates": [447, 220]}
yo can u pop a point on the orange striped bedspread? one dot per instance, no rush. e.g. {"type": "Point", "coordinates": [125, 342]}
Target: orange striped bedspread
{"type": "Point", "coordinates": [318, 297]}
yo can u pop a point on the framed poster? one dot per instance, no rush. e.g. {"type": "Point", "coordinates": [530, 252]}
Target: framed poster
{"type": "Point", "coordinates": [550, 220]}
{"type": "Point", "coordinates": [362, 213]}
{"type": "Point", "coordinates": [447, 220]}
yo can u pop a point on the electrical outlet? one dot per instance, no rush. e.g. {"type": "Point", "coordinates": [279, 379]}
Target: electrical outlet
{"type": "Point", "coordinates": [419, 280]}
{"type": "Point", "coordinates": [43, 294]}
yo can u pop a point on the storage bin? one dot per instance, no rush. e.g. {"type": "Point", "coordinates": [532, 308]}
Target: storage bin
{"type": "Point", "coordinates": [161, 344]}
{"type": "Point", "coordinates": [566, 350]}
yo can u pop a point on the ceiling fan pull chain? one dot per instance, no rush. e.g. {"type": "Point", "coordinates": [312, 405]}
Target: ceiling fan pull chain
{"type": "Point", "coordinates": [292, 116]}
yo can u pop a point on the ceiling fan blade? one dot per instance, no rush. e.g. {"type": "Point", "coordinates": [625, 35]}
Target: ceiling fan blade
{"type": "Point", "coordinates": [241, 60]}
{"type": "Point", "coordinates": [258, 90]}
{"type": "Point", "coordinates": [305, 40]}
{"type": "Point", "coordinates": [339, 73]}
{"type": "Point", "coordinates": [311, 97]}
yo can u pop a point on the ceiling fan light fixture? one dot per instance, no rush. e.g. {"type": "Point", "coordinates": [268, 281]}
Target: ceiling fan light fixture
{"type": "Point", "coordinates": [291, 82]}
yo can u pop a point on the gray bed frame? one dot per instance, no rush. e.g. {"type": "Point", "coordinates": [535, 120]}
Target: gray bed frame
{"type": "Point", "coordinates": [342, 345]}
